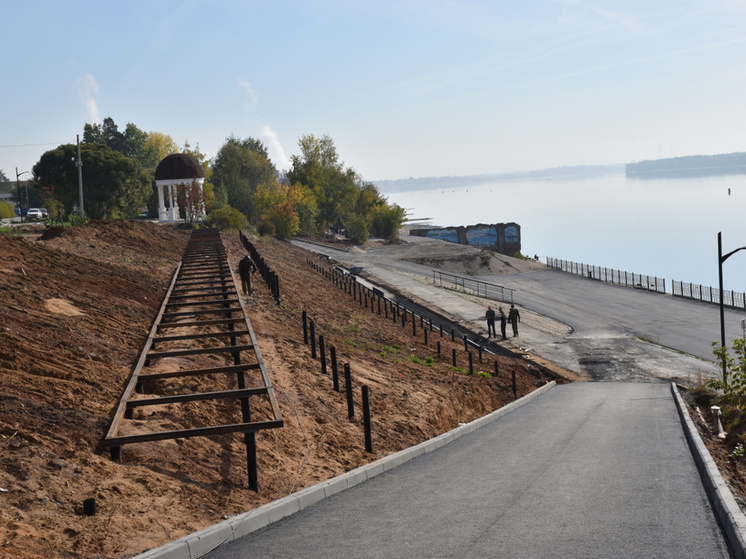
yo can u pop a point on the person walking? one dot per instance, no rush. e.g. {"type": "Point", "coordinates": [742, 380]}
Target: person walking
{"type": "Point", "coordinates": [490, 323]}
{"type": "Point", "coordinates": [503, 321]}
{"type": "Point", "coordinates": [246, 267]}
{"type": "Point", "coordinates": [514, 317]}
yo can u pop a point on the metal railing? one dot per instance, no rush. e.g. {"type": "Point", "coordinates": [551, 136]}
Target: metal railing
{"type": "Point", "coordinates": [477, 287]}
{"type": "Point", "coordinates": [629, 279]}
{"type": "Point", "coordinates": [734, 299]}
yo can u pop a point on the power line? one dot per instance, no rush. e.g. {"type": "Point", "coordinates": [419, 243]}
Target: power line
{"type": "Point", "coordinates": [31, 145]}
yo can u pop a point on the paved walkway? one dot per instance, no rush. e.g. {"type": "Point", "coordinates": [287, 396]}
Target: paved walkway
{"type": "Point", "coordinates": [582, 470]}
{"type": "Point", "coordinates": [585, 470]}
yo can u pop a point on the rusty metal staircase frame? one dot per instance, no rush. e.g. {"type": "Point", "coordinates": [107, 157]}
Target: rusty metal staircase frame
{"type": "Point", "coordinates": [202, 294]}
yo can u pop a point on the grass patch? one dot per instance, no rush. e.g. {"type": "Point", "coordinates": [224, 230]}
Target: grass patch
{"type": "Point", "coordinates": [427, 361]}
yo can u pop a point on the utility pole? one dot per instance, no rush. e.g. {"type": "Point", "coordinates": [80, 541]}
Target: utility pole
{"type": "Point", "coordinates": [18, 189]}
{"type": "Point", "coordinates": [79, 165]}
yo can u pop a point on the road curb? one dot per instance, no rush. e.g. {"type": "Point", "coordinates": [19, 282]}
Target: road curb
{"type": "Point", "coordinates": [199, 543]}
{"type": "Point", "coordinates": [721, 498]}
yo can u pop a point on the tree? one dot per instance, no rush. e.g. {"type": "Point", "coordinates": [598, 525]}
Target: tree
{"type": "Point", "coordinates": [285, 209]}
{"type": "Point", "coordinates": [239, 167]}
{"type": "Point", "coordinates": [385, 221]}
{"type": "Point", "coordinates": [113, 185]}
{"type": "Point", "coordinates": [159, 146]}
{"type": "Point", "coordinates": [319, 169]}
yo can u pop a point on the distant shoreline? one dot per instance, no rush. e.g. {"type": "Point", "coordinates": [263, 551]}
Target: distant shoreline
{"type": "Point", "coordinates": [692, 166]}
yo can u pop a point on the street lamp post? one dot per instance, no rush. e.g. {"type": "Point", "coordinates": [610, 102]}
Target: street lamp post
{"type": "Point", "coordinates": [722, 258]}
{"type": "Point", "coordinates": [18, 189]}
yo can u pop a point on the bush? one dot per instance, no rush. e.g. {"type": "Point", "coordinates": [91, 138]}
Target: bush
{"type": "Point", "coordinates": [6, 210]}
{"type": "Point", "coordinates": [226, 218]}
{"type": "Point", "coordinates": [265, 228]}
{"type": "Point", "coordinates": [357, 229]}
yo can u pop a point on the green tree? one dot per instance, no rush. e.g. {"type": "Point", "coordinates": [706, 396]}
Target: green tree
{"type": "Point", "coordinates": [318, 168]}
{"type": "Point", "coordinates": [114, 186]}
{"type": "Point", "coordinates": [358, 229]}
{"type": "Point", "coordinates": [385, 221]}
{"type": "Point", "coordinates": [239, 167]}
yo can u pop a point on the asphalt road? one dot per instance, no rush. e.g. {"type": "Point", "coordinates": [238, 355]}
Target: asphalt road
{"type": "Point", "coordinates": [585, 470]}
{"type": "Point", "coordinates": [613, 332]}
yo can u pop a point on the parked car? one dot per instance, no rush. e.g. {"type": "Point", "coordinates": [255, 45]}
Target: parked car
{"type": "Point", "coordinates": [34, 213]}
{"type": "Point", "coordinates": [44, 213]}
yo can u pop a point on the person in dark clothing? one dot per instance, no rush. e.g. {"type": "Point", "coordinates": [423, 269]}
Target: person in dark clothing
{"type": "Point", "coordinates": [246, 267]}
{"type": "Point", "coordinates": [514, 317]}
{"type": "Point", "coordinates": [490, 323]}
{"type": "Point", "coordinates": [503, 321]}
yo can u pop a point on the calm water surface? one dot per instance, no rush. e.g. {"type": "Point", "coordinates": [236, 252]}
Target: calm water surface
{"type": "Point", "coordinates": [660, 227]}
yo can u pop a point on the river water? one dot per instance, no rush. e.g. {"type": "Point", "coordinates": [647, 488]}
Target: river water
{"type": "Point", "coordinates": [665, 227]}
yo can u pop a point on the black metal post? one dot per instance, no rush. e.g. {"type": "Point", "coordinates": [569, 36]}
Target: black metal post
{"type": "Point", "coordinates": [305, 327]}
{"type": "Point", "coordinates": [312, 327]}
{"type": "Point", "coordinates": [335, 370]}
{"type": "Point", "coordinates": [366, 420]}
{"type": "Point", "coordinates": [322, 355]}
{"type": "Point", "coordinates": [348, 389]}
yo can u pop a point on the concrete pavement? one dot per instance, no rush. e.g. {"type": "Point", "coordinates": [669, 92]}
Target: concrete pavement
{"type": "Point", "coordinates": [585, 470]}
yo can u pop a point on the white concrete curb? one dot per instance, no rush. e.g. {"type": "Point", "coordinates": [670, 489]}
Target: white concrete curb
{"type": "Point", "coordinates": [724, 504]}
{"type": "Point", "coordinates": [199, 543]}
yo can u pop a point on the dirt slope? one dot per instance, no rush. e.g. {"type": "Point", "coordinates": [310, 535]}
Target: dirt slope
{"type": "Point", "coordinates": [76, 306]}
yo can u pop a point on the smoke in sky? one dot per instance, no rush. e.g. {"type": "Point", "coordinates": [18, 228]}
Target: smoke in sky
{"type": "Point", "coordinates": [250, 93]}
{"type": "Point", "coordinates": [274, 147]}
{"type": "Point", "coordinates": [88, 92]}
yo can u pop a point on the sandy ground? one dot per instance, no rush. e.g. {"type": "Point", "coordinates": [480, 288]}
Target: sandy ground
{"type": "Point", "coordinates": [76, 307]}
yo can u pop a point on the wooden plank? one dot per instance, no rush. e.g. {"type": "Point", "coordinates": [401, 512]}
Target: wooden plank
{"type": "Point", "coordinates": [201, 335]}
{"type": "Point", "coordinates": [196, 397]}
{"type": "Point", "coordinates": [197, 372]}
{"type": "Point", "coordinates": [199, 312]}
{"type": "Point", "coordinates": [214, 322]}
{"type": "Point", "coordinates": [199, 351]}
{"type": "Point", "coordinates": [252, 427]}
{"type": "Point", "coordinates": [198, 303]}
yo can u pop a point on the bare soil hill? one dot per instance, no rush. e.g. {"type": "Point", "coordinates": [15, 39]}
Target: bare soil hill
{"type": "Point", "coordinates": [75, 308]}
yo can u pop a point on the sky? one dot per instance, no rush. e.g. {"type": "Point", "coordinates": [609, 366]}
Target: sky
{"type": "Point", "coordinates": [405, 88]}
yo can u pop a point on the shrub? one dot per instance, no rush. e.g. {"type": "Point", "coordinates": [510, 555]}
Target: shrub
{"type": "Point", "coordinates": [357, 229]}
{"type": "Point", "coordinates": [6, 210]}
{"type": "Point", "coordinates": [226, 218]}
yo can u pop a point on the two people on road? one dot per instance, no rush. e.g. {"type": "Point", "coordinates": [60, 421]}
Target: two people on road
{"type": "Point", "coordinates": [492, 316]}
{"type": "Point", "coordinates": [246, 267]}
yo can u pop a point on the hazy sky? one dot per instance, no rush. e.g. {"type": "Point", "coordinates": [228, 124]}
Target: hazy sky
{"type": "Point", "coordinates": [404, 88]}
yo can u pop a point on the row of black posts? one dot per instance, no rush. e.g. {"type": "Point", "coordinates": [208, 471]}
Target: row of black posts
{"type": "Point", "coordinates": [374, 299]}
{"type": "Point", "coordinates": [273, 281]}
{"type": "Point", "coordinates": [309, 334]}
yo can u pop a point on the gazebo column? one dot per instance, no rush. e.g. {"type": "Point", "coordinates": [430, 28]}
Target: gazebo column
{"type": "Point", "coordinates": [162, 216]}
{"type": "Point", "coordinates": [174, 211]}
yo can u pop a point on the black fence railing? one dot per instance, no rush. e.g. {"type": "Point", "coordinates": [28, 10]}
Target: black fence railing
{"type": "Point", "coordinates": [734, 299]}
{"type": "Point", "coordinates": [477, 287]}
{"type": "Point", "coordinates": [629, 279]}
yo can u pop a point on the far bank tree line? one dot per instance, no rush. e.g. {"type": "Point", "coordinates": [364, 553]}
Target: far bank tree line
{"type": "Point", "coordinates": [242, 185]}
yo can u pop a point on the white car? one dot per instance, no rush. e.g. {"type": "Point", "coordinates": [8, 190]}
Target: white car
{"type": "Point", "coordinates": [34, 213]}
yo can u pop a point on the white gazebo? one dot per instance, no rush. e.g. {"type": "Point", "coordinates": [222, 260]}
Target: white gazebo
{"type": "Point", "coordinates": [180, 169]}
